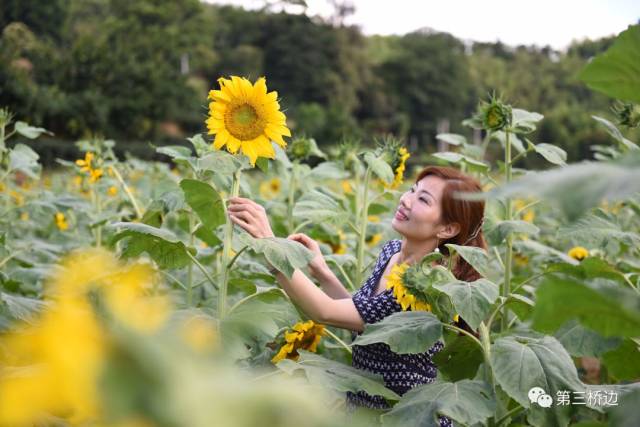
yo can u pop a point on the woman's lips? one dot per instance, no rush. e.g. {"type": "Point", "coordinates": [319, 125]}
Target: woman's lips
{"type": "Point", "coordinates": [400, 216]}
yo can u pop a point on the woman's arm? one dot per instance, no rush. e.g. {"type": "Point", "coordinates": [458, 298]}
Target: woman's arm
{"type": "Point", "coordinates": [331, 285]}
{"type": "Point", "coordinates": [320, 306]}
{"type": "Point", "coordinates": [313, 301]}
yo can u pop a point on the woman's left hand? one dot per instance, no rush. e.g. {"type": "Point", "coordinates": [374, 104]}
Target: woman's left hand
{"type": "Point", "coordinates": [250, 216]}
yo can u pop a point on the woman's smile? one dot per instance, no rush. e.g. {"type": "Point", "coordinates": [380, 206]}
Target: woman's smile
{"type": "Point", "coordinates": [401, 215]}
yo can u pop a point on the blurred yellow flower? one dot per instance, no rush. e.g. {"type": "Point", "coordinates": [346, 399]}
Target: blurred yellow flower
{"type": "Point", "coordinates": [373, 239]}
{"type": "Point", "coordinates": [24, 216]}
{"type": "Point", "coordinates": [373, 218]}
{"type": "Point", "coordinates": [18, 198]}
{"type": "Point", "coordinates": [528, 214]}
{"type": "Point", "coordinates": [305, 336]}
{"type": "Point", "coordinates": [112, 191]}
{"type": "Point", "coordinates": [270, 189]}
{"type": "Point", "coordinates": [245, 117]}
{"type": "Point", "coordinates": [346, 186]}
{"type": "Point", "coordinates": [339, 248]}
{"type": "Point", "coordinates": [85, 164]}
{"type": "Point", "coordinates": [199, 333]}
{"type": "Point", "coordinates": [61, 221]}
{"type": "Point", "coordinates": [578, 253]}
{"type": "Point", "coordinates": [521, 260]}
{"type": "Point", "coordinates": [403, 155]}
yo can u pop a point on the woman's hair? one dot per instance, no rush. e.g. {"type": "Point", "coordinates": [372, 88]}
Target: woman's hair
{"type": "Point", "coordinates": [469, 214]}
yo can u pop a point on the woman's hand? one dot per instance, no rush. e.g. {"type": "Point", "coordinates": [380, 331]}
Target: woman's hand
{"type": "Point", "coordinates": [318, 266]}
{"type": "Point", "coordinates": [250, 216]}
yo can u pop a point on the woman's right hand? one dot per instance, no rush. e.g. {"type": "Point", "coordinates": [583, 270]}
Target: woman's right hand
{"type": "Point", "coordinates": [318, 265]}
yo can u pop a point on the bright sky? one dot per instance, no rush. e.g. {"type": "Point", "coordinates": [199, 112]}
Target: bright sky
{"type": "Point", "coordinates": [540, 22]}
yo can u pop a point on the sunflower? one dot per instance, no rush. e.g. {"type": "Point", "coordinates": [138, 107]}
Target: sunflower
{"type": "Point", "coordinates": [270, 189]}
{"type": "Point", "coordinates": [339, 248]}
{"type": "Point", "coordinates": [578, 253]}
{"type": "Point", "coordinates": [303, 336]}
{"type": "Point", "coordinates": [373, 240]}
{"type": "Point", "coordinates": [399, 167]}
{"type": "Point", "coordinates": [61, 221]}
{"type": "Point", "coordinates": [244, 116]}
{"type": "Point", "coordinates": [400, 292]}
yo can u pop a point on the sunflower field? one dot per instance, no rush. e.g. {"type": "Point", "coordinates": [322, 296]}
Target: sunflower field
{"type": "Point", "coordinates": [129, 298]}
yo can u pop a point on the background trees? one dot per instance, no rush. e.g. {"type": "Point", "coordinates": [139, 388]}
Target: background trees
{"type": "Point", "coordinates": [138, 71]}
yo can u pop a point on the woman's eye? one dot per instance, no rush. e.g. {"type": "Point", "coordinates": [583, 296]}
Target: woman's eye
{"type": "Point", "coordinates": [424, 200]}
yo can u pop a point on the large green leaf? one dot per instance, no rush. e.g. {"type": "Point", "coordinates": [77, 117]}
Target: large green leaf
{"type": "Point", "coordinates": [466, 402]}
{"type": "Point", "coordinates": [22, 158]}
{"type": "Point", "coordinates": [30, 132]}
{"type": "Point", "coordinates": [606, 308]}
{"type": "Point", "coordinates": [502, 229]}
{"type": "Point", "coordinates": [318, 207]}
{"type": "Point", "coordinates": [20, 307]}
{"type": "Point", "coordinates": [205, 201]}
{"type": "Point", "coordinates": [458, 158]}
{"type": "Point", "coordinates": [594, 230]}
{"type": "Point", "coordinates": [552, 153]}
{"type": "Point", "coordinates": [476, 257]}
{"type": "Point", "coordinates": [472, 300]}
{"type": "Point", "coordinates": [625, 414]}
{"type": "Point", "coordinates": [566, 186]}
{"type": "Point", "coordinates": [623, 363]}
{"type": "Point", "coordinates": [451, 138]}
{"type": "Point", "coordinates": [524, 121]}
{"type": "Point", "coordinates": [379, 167]}
{"type": "Point", "coordinates": [337, 376]}
{"type": "Point", "coordinates": [404, 332]}
{"type": "Point", "coordinates": [161, 245]}
{"type": "Point", "coordinates": [220, 162]}
{"type": "Point", "coordinates": [616, 72]}
{"type": "Point", "coordinates": [459, 359]}
{"type": "Point", "coordinates": [285, 255]}
{"type": "Point", "coordinates": [521, 363]}
{"type": "Point", "coordinates": [581, 341]}
{"type": "Point", "coordinates": [328, 170]}
{"type": "Point", "coordinates": [615, 133]}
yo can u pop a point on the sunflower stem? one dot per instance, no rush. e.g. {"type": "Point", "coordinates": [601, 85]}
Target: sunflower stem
{"type": "Point", "coordinates": [127, 191]}
{"type": "Point", "coordinates": [226, 249]}
{"type": "Point", "coordinates": [190, 266]}
{"type": "Point", "coordinates": [506, 288]}
{"type": "Point", "coordinates": [338, 340]}
{"type": "Point", "coordinates": [290, 200]}
{"type": "Point", "coordinates": [362, 226]}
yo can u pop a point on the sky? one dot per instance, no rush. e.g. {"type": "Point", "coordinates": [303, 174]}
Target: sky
{"type": "Point", "coordinates": [541, 22]}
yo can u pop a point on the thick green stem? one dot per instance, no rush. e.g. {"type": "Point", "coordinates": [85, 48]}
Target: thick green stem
{"type": "Point", "coordinates": [338, 340]}
{"type": "Point", "coordinates": [128, 192]}
{"type": "Point", "coordinates": [226, 249]}
{"type": "Point", "coordinates": [362, 227]}
{"type": "Point", "coordinates": [506, 287]}
{"type": "Point", "coordinates": [291, 200]}
{"type": "Point", "coordinates": [190, 266]}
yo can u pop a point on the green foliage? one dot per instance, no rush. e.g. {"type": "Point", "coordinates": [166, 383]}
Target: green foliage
{"type": "Point", "coordinates": [404, 332]}
{"type": "Point", "coordinates": [617, 72]}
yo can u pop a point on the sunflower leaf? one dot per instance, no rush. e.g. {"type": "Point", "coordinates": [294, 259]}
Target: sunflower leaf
{"type": "Point", "coordinates": [161, 245]}
{"type": "Point", "coordinates": [337, 376]}
{"type": "Point", "coordinates": [472, 300]}
{"type": "Point", "coordinates": [379, 167]}
{"type": "Point", "coordinates": [205, 201]}
{"type": "Point", "coordinates": [466, 402]}
{"type": "Point", "coordinates": [284, 254]}
{"type": "Point", "coordinates": [404, 332]}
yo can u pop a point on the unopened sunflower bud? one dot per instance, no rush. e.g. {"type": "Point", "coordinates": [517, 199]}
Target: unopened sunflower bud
{"type": "Point", "coordinates": [494, 115]}
{"type": "Point", "coordinates": [628, 114]}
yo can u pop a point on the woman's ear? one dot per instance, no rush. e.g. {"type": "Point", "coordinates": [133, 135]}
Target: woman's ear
{"type": "Point", "coordinates": [448, 231]}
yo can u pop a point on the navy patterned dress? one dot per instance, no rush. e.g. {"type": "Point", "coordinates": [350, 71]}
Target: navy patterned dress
{"type": "Point", "coordinates": [400, 372]}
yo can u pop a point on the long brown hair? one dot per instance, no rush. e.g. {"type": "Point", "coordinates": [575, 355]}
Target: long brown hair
{"type": "Point", "coordinates": [469, 214]}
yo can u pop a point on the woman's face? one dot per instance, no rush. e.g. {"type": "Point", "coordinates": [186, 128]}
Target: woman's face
{"type": "Point", "coordinates": [419, 210]}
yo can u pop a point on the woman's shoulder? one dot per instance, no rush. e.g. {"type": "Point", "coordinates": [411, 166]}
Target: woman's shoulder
{"type": "Point", "coordinates": [388, 249]}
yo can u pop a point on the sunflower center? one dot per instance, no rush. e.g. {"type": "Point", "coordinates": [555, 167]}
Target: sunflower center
{"type": "Point", "coordinates": [244, 123]}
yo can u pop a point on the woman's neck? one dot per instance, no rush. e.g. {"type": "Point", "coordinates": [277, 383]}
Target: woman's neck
{"type": "Point", "coordinates": [412, 251]}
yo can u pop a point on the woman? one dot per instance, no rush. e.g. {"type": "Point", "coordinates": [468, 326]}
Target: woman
{"type": "Point", "coordinates": [428, 217]}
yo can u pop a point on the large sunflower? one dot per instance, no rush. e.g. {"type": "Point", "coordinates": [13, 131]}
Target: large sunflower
{"type": "Point", "coordinates": [244, 116]}
{"type": "Point", "coordinates": [304, 336]}
{"type": "Point", "coordinates": [405, 298]}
